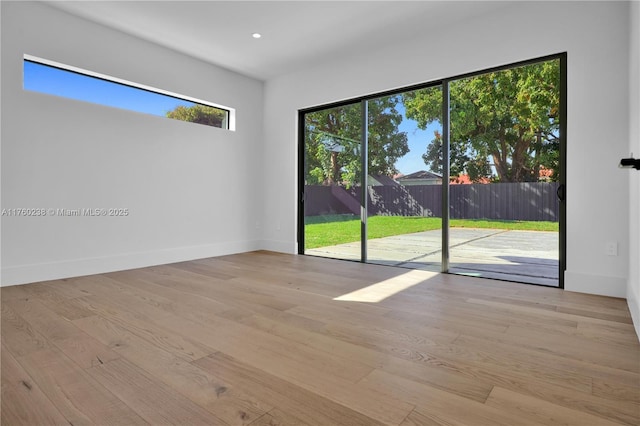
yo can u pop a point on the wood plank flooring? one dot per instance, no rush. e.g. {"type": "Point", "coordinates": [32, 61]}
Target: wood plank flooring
{"type": "Point", "coordinates": [271, 339]}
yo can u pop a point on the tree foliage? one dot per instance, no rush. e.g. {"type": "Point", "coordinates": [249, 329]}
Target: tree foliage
{"type": "Point", "coordinates": [201, 114]}
{"type": "Point", "coordinates": [332, 138]}
{"type": "Point", "coordinates": [507, 119]}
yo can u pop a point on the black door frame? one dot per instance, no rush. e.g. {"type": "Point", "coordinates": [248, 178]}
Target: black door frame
{"type": "Point", "coordinates": [444, 83]}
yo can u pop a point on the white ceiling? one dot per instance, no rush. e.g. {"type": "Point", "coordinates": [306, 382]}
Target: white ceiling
{"type": "Point", "coordinates": [295, 34]}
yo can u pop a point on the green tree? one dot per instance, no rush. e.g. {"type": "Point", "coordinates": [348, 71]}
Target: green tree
{"type": "Point", "coordinates": [332, 138]}
{"type": "Point", "coordinates": [507, 119]}
{"type": "Point", "coordinates": [201, 114]}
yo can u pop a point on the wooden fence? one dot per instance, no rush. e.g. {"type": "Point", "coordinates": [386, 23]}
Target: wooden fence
{"type": "Point", "coordinates": [534, 201]}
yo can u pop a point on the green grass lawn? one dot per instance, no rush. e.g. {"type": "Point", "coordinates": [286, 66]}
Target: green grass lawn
{"type": "Point", "coordinates": [322, 231]}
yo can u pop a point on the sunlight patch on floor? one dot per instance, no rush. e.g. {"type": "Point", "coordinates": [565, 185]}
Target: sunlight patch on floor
{"type": "Point", "coordinates": [380, 291]}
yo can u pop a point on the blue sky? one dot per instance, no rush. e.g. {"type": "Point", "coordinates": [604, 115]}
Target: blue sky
{"type": "Point", "coordinates": [54, 81]}
{"type": "Point", "coordinates": [418, 140]}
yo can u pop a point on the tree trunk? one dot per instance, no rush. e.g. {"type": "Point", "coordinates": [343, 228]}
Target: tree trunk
{"type": "Point", "coordinates": [333, 176]}
{"type": "Point", "coordinates": [501, 167]}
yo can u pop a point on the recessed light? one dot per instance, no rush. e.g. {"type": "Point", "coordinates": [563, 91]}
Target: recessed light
{"type": "Point", "coordinates": [256, 35]}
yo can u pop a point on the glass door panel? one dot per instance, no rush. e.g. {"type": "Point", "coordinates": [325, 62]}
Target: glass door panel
{"type": "Point", "coordinates": [332, 182]}
{"type": "Point", "coordinates": [404, 188]}
{"type": "Point", "coordinates": [505, 172]}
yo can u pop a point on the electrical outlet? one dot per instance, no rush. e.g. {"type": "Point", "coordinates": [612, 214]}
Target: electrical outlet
{"type": "Point", "coordinates": [611, 248]}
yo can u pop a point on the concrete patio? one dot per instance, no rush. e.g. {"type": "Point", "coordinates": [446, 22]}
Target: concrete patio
{"type": "Point", "coordinates": [522, 256]}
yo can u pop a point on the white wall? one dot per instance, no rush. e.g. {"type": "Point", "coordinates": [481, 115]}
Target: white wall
{"type": "Point", "coordinates": [595, 37]}
{"type": "Point", "coordinates": [190, 189]}
{"type": "Point", "coordinates": [633, 287]}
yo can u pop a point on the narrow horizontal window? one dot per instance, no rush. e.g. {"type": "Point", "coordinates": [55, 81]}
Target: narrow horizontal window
{"type": "Point", "coordinates": [53, 78]}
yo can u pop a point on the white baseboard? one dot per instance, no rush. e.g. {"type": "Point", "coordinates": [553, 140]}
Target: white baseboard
{"type": "Point", "coordinates": [633, 301]}
{"type": "Point", "coordinates": [279, 246]}
{"type": "Point", "coordinates": [24, 274]}
{"type": "Point", "coordinates": [595, 284]}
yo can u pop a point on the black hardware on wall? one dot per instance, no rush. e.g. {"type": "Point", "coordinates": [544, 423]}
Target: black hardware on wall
{"type": "Point", "coordinates": [630, 163]}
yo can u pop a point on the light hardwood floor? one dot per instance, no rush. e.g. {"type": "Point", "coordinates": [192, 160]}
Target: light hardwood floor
{"type": "Point", "coordinates": [272, 339]}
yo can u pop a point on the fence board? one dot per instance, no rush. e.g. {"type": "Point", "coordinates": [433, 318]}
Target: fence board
{"type": "Point", "coordinates": [534, 201]}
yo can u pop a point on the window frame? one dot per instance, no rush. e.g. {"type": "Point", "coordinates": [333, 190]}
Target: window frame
{"type": "Point", "coordinates": [561, 57]}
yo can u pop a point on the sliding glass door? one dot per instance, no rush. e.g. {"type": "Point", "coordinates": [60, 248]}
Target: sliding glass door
{"type": "Point", "coordinates": [404, 211]}
{"type": "Point", "coordinates": [332, 172]}
{"type": "Point", "coordinates": [505, 174]}
{"type": "Point", "coordinates": [462, 176]}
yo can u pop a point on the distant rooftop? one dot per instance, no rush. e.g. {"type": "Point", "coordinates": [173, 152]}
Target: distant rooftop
{"type": "Point", "coordinates": [422, 174]}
